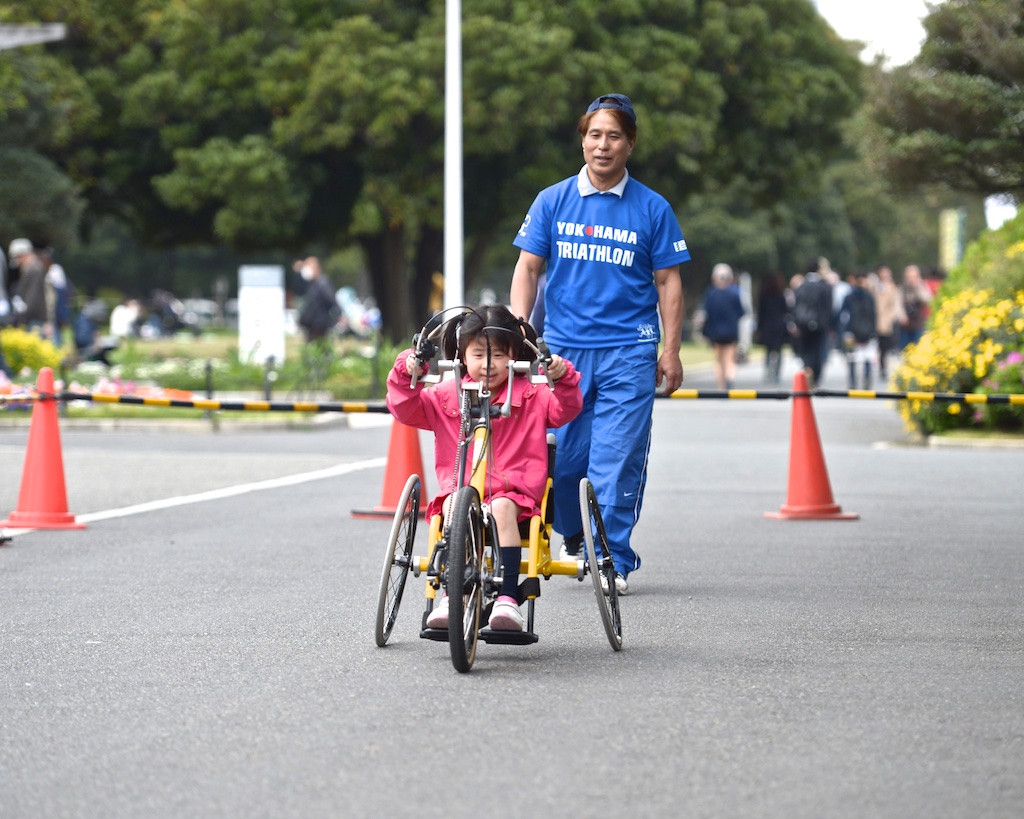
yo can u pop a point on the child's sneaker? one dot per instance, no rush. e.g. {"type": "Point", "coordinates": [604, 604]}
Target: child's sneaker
{"type": "Point", "coordinates": [438, 617]}
{"type": "Point", "coordinates": [505, 616]}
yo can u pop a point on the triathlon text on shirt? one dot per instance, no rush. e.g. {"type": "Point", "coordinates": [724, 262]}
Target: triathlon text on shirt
{"type": "Point", "coordinates": [593, 252]}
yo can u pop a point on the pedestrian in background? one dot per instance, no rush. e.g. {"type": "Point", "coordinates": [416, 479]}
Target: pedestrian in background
{"type": "Point", "coordinates": [6, 310]}
{"type": "Point", "coordinates": [840, 289]}
{"type": "Point", "coordinates": [794, 334]}
{"type": "Point", "coordinates": [31, 299]}
{"type": "Point", "coordinates": [887, 307]}
{"type": "Point", "coordinates": [320, 311]}
{"type": "Point", "coordinates": [772, 331]}
{"type": "Point", "coordinates": [723, 309]}
{"type": "Point", "coordinates": [857, 323]}
{"type": "Point", "coordinates": [62, 292]}
{"type": "Point", "coordinates": [612, 249]}
{"type": "Point", "coordinates": [914, 300]}
{"type": "Point", "coordinates": [812, 317]}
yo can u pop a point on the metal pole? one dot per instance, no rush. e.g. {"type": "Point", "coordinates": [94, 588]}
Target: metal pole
{"type": "Point", "coordinates": [453, 228]}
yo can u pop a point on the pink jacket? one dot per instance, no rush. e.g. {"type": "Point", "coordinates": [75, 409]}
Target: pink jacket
{"type": "Point", "coordinates": [519, 457]}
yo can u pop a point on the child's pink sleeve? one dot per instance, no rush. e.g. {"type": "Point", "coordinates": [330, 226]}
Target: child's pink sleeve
{"type": "Point", "coordinates": [567, 399]}
{"type": "Point", "coordinates": [406, 402]}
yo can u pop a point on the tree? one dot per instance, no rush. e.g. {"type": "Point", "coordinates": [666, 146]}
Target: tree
{"type": "Point", "coordinates": [952, 117]}
{"type": "Point", "coordinates": [38, 200]}
{"type": "Point", "coordinates": [267, 124]}
{"type": "Point", "coordinates": [738, 103]}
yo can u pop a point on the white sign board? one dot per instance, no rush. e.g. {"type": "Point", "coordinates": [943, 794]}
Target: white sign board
{"type": "Point", "coordinates": [261, 313]}
{"type": "Point", "coordinates": [14, 36]}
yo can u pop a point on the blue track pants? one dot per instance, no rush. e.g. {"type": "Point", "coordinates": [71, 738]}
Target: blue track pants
{"type": "Point", "coordinates": [608, 442]}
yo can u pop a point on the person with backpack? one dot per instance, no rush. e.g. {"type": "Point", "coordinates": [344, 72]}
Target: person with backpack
{"type": "Point", "coordinates": [812, 318]}
{"type": "Point", "coordinates": [858, 329]}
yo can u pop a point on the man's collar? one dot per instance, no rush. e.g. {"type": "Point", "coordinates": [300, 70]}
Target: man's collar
{"type": "Point", "coordinates": [586, 187]}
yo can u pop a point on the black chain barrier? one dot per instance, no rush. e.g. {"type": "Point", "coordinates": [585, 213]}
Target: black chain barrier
{"type": "Point", "coordinates": [202, 403]}
{"type": "Point", "coordinates": [965, 397]}
{"type": "Point", "coordinates": [361, 406]}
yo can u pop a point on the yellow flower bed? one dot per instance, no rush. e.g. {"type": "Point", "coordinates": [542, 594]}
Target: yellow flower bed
{"type": "Point", "coordinates": [974, 344]}
{"type": "Point", "coordinates": [27, 350]}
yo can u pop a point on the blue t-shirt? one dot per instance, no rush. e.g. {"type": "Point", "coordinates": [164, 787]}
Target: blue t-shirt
{"type": "Point", "coordinates": [602, 251]}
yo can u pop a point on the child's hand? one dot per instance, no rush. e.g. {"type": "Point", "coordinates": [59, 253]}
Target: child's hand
{"type": "Point", "coordinates": [557, 368]}
{"type": "Point", "coordinates": [411, 364]}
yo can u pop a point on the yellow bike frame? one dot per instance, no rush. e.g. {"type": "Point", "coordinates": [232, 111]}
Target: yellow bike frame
{"type": "Point", "coordinates": [538, 561]}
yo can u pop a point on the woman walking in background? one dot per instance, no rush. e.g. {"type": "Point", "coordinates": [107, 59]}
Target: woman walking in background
{"type": "Point", "coordinates": [887, 303]}
{"type": "Point", "coordinates": [914, 300]}
{"type": "Point", "coordinates": [723, 309]}
{"type": "Point", "coordinates": [772, 332]}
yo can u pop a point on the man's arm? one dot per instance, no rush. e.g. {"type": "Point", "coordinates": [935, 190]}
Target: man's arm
{"type": "Point", "coordinates": [670, 308]}
{"type": "Point", "coordinates": [523, 294]}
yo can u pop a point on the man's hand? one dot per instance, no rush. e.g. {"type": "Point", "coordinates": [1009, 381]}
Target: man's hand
{"type": "Point", "coordinates": [670, 371]}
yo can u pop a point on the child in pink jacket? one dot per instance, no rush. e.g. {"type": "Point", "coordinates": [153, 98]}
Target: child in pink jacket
{"type": "Point", "coordinates": [518, 467]}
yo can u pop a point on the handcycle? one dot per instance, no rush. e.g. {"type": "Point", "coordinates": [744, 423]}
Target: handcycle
{"type": "Point", "coordinates": [463, 557]}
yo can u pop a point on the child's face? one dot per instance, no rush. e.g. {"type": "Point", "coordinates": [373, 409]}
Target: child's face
{"type": "Point", "coordinates": [476, 363]}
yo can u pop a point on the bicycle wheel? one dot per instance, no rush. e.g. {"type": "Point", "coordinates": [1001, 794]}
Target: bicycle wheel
{"type": "Point", "coordinates": [466, 587]}
{"type": "Point", "coordinates": [397, 558]}
{"type": "Point", "coordinates": [599, 559]}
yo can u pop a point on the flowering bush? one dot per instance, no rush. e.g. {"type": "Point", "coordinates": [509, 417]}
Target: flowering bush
{"type": "Point", "coordinates": [1006, 378]}
{"type": "Point", "coordinates": [974, 344]}
{"type": "Point", "coordinates": [27, 350]}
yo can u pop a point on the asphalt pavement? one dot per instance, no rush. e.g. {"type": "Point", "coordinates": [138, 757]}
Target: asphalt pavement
{"type": "Point", "coordinates": [205, 646]}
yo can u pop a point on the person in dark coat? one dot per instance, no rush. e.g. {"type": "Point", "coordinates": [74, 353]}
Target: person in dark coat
{"type": "Point", "coordinates": [858, 328]}
{"type": "Point", "coordinates": [320, 311]}
{"type": "Point", "coordinates": [723, 309]}
{"type": "Point", "coordinates": [812, 317]}
{"type": "Point", "coordinates": [772, 331]}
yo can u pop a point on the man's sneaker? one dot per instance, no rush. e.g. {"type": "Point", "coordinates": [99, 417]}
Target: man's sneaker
{"type": "Point", "coordinates": [505, 615]}
{"type": "Point", "coordinates": [438, 617]}
{"type": "Point", "coordinates": [621, 586]}
{"type": "Point", "coordinates": [571, 547]}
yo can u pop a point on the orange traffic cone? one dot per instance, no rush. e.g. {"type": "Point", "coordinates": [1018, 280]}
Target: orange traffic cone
{"type": "Point", "coordinates": [810, 493]}
{"type": "Point", "coordinates": [404, 459]}
{"type": "Point", "coordinates": [43, 501]}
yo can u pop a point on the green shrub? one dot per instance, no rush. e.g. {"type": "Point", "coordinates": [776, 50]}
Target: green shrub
{"type": "Point", "coordinates": [995, 262]}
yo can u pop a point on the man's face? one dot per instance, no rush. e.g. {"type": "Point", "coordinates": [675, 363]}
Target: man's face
{"type": "Point", "coordinates": [605, 150]}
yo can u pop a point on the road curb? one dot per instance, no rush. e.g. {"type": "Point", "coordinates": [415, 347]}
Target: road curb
{"type": "Point", "coordinates": [950, 442]}
{"type": "Point", "coordinates": [199, 426]}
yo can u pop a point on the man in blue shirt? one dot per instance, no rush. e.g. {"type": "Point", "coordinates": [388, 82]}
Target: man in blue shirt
{"type": "Point", "coordinates": [610, 249]}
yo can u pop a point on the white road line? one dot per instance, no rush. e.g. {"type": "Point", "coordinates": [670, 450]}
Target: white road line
{"type": "Point", "coordinates": [226, 492]}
